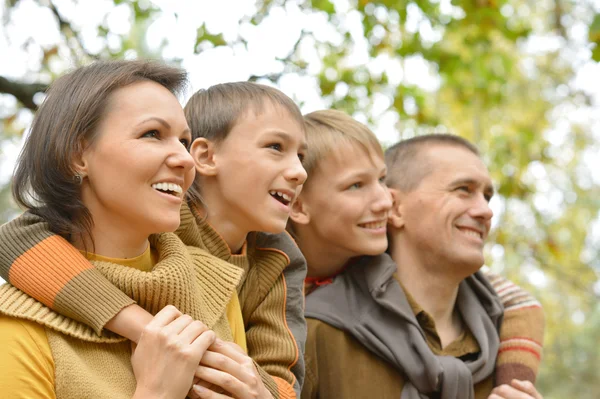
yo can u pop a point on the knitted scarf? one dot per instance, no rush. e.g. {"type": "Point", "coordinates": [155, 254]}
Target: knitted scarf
{"type": "Point", "coordinates": [366, 302]}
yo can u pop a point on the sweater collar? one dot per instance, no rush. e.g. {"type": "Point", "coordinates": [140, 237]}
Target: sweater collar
{"type": "Point", "coordinates": [180, 278]}
{"type": "Point", "coordinates": [194, 230]}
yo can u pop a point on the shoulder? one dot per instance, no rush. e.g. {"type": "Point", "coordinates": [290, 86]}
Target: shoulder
{"type": "Point", "coordinates": [22, 333]}
{"type": "Point", "coordinates": [26, 359]}
{"type": "Point", "coordinates": [280, 242]}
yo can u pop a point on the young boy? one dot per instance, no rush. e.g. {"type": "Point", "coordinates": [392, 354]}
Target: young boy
{"type": "Point", "coordinates": [359, 341]}
{"type": "Point", "coordinates": [248, 142]}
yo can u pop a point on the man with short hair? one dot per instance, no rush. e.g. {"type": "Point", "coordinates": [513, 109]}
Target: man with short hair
{"type": "Point", "coordinates": [422, 321]}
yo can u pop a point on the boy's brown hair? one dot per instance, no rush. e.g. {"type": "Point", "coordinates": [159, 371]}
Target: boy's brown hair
{"type": "Point", "coordinates": [212, 113]}
{"type": "Point", "coordinates": [327, 129]}
{"type": "Point", "coordinates": [44, 180]}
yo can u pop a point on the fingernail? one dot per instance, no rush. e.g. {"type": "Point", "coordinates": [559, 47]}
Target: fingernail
{"type": "Point", "coordinates": [200, 389]}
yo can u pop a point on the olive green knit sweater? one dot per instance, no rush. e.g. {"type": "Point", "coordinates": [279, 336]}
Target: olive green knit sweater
{"type": "Point", "coordinates": [269, 285]}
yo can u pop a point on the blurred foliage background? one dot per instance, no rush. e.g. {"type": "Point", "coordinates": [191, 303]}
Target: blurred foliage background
{"type": "Point", "coordinates": [517, 77]}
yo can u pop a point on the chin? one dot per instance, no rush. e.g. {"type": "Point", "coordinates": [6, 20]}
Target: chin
{"type": "Point", "coordinates": [365, 251]}
{"type": "Point", "coordinates": [274, 228]}
{"type": "Point", "coordinates": [167, 226]}
{"type": "Point", "coordinates": [473, 264]}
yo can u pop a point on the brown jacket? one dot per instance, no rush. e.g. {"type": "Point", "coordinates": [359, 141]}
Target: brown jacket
{"type": "Point", "coordinates": [338, 366]}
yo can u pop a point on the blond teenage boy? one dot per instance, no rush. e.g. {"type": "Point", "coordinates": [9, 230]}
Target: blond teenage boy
{"type": "Point", "coordinates": [359, 314]}
{"type": "Point", "coordinates": [248, 144]}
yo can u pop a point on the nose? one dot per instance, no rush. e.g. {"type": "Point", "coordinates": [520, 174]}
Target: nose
{"type": "Point", "coordinates": [382, 200]}
{"type": "Point", "coordinates": [179, 157]}
{"type": "Point", "coordinates": [481, 209]}
{"type": "Point", "coordinates": [295, 172]}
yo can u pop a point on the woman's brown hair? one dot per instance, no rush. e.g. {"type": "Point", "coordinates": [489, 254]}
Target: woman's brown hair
{"type": "Point", "coordinates": [44, 180]}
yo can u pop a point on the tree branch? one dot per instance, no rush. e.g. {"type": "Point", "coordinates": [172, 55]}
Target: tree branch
{"type": "Point", "coordinates": [24, 92]}
{"type": "Point", "coordinates": [558, 13]}
{"type": "Point", "coordinates": [70, 34]}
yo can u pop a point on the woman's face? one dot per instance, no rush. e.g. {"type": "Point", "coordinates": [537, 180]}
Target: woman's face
{"type": "Point", "coordinates": [138, 167]}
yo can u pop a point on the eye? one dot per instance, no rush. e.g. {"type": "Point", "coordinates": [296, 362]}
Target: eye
{"type": "Point", "coordinates": [301, 157]}
{"type": "Point", "coordinates": [382, 179]}
{"type": "Point", "coordinates": [355, 186]}
{"type": "Point", "coordinates": [464, 188]}
{"type": "Point", "coordinates": [487, 197]}
{"type": "Point", "coordinates": [275, 146]}
{"type": "Point", "coordinates": [185, 142]}
{"type": "Point", "coordinates": [153, 134]}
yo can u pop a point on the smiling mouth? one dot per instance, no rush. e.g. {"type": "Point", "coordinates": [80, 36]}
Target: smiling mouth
{"type": "Point", "coordinates": [284, 198]}
{"type": "Point", "coordinates": [373, 225]}
{"type": "Point", "coordinates": [169, 188]}
{"type": "Point", "coordinates": [471, 233]}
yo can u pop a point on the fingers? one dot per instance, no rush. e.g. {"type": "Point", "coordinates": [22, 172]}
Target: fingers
{"type": "Point", "coordinates": [510, 392]}
{"type": "Point", "coordinates": [207, 393]}
{"type": "Point", "coordinates": [228, 382]}
{"type": "Point", "coordinates": [178, 325]}
{"type": "Point", "coordinates": [192, 331]}
{"type": "Point", "coordinates": [231, 350]}
{"type": "Point", "coordinates": [192, 394]}
{"type": "Point", "coordinates": [221, 362]}
{"type": "Point", "coordinates": [200, 345]}
{"type": "Point", "coordinates": [171, 322]}
{"type": "Point", "coordinates": [164, 317]}
{"type": "Point", "coordinates": [527, 387]}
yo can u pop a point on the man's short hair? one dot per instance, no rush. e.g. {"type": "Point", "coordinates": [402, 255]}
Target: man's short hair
{"type": "Point", "coordinates": [406, 164]}
{"type": "Point", "coordinates": [326, 130]}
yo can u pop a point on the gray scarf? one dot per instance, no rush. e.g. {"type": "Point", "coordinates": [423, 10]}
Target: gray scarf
{"type": "Point", "coordinates": [366, 302]}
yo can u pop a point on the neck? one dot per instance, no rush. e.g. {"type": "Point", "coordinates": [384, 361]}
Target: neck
{"type": "Point", "coordinates": [220, 219]}
{"type": "Point", "coordinates": [433, 288]}
{"type": "Point", "coordinates": [113, 241]}
{"type": "Point", "coordinates": [322, 260]}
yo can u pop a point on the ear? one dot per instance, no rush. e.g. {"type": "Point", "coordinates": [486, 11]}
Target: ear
{"type": "Point", "coordinates": [299, 212]}
{"type": "Point", "coordinates": [396, 216]}
{"type": "Point", "coordinates": [203, 152]}
{"type": "Point", "coordinates": [81, 162]}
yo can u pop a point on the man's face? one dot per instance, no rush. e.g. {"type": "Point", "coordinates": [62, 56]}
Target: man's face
{"type": "Point", "coordinates": [447, 218]}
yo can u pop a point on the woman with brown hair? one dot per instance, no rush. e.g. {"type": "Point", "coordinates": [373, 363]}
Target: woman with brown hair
{"type": "Point", "coordinates": [106, 165]}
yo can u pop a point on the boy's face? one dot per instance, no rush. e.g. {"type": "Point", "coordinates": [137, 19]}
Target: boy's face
{"type": "Point", "coordinates": [259, 170]}
{"type": "Point", "coordinates": [347, 203]}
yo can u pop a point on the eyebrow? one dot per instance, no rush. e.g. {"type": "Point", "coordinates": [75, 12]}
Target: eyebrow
{"type": "Point", "coordinates": [361, 174]}
{"type": "Point", "coordinates": [288, 137]}
{"type": "Point", "coordinates": [489, 189]}
{"type": "Point", "coordinates": [162, 122]}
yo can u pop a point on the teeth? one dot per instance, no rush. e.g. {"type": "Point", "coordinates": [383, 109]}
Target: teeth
{"type": "Point", "coordinates": [374, 225]}
{"type": "Point", "coordinates": [280, 194]}
{"type": "Point", "coordinates": [285, 196]}
{"type": "Point", "coordinates": [472, 233]}
{"type": "Point", "coordinates": [176, 188]}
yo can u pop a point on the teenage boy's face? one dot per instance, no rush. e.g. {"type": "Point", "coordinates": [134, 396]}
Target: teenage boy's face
{"type": "Point", "coordinates": [447, 217]}
{"type": "Point", "coordinates": [260, 171]}
{"type": "Point", "coordinates": [347, 202]}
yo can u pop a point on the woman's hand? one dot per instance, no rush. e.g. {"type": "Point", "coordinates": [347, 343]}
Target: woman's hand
{"type": "Point", "coordinates": [226, 371]}
{"type": "Point", "coordinates": [168, 353]}
{"type": "Point", "coordinates": [516, 390]}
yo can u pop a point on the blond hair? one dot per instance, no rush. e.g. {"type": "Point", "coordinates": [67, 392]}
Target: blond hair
{"type": "Point", "coordinates": [326, 130]}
